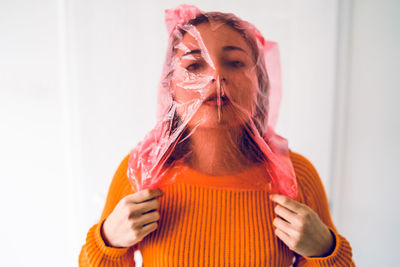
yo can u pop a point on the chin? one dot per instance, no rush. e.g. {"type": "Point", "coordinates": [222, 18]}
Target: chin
{"type": "Point", "coordinates": [212, 122]}
{"type": "Point", "coordinates": [207, 117]}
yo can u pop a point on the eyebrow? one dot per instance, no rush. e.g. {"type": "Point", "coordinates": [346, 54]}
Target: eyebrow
{"type": "Point", "coordinates": [195, 51]}
{"type": "Point", "coordinates": [231, 48]}
{"type": "Point", "coordinates": [225, 48]}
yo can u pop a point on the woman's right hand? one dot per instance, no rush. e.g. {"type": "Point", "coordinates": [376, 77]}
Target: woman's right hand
{"type": "Point", "coordinates": [134, 217]}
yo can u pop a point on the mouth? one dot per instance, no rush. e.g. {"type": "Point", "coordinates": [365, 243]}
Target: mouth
{"type": "Point", "coordinates": [213, 101]}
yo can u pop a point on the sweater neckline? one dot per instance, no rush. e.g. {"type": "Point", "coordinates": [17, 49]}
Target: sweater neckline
{"type": "Point", "coordinates": [254, 177]}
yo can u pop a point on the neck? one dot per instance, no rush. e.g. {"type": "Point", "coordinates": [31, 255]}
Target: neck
{"type": "Point", "coordinates": [216, 151]}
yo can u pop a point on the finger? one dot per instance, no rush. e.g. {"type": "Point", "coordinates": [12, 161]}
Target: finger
{"type": "Point", "coordinates": [145, 195]}
{"type": "Point", "coordinates": [148, 228]}
{"type": "Point", "coordinates": [147, 218]}
{"type": "Point", "coordinates": [285, 213]}
{"type": "Point", "coordinates": [283, 236]}
{"type": "Point", "coordinates": [284, 226]}
{"type": "Point", "coordinates": [287, 202]}
{"type": "Point", "coordinates": [145, 207]}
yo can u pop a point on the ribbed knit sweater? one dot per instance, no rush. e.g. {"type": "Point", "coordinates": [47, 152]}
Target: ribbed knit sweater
{"type": "Point", "coordinates": [216, 221]}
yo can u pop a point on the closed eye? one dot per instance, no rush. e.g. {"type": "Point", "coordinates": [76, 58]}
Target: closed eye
{"type": "Point", "coordinates": [236, 64]}
{"type": "Point", "coordinates": [193, 67]}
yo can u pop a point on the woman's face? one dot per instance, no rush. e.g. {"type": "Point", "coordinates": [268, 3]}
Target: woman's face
{"type": "Point", "coordinates": [214, 79]}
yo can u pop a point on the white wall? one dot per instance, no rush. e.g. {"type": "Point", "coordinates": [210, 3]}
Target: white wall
{"type": "Point", "coordinates": [77, 92]}
{"type": "Point", "coordinates": [368, 210]}
{"type": "Point", "coordinates": [36, 224]}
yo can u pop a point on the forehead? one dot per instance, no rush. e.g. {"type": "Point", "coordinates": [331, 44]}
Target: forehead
{"type": "Point", "coordinates": [213, 37]}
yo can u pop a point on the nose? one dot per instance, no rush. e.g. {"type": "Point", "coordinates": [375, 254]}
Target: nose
{"type": "Point", "coordinates": [222, 79]}
{"type": "Point", "coordinates": [218, 83]}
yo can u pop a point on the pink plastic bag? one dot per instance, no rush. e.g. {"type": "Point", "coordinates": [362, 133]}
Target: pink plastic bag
{"type": "Point", "coordinates": [218, 103]}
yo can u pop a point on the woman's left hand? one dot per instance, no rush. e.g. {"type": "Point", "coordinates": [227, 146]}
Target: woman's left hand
{"type": "Point", "coordinates": [300, 228]}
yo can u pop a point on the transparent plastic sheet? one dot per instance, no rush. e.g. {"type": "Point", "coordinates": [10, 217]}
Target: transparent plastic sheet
{"type": "Point", "coordinates": [217, 100]}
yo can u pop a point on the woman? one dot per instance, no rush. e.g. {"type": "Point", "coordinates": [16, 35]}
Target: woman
{"type": "Point", "coordinates": [212, 184]}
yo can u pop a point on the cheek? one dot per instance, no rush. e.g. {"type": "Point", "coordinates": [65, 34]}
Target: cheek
{"type": "Point", "coordinates": [184, 96]}
{"type": "Point", "coordinates": [180, 89]}
{"type": "Point", "coordinates": [188, 87]}
{"type": "Point", "coordinates": [243, 90]}
{"type": "Point", "coordinates": [185, 99]}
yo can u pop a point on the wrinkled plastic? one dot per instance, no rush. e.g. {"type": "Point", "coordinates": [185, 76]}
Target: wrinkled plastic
{"type": "Point", "coordinates": [218, 101]}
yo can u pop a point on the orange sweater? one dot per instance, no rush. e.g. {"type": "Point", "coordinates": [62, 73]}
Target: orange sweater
{"type": "Point", "coordinates": [221, 222]}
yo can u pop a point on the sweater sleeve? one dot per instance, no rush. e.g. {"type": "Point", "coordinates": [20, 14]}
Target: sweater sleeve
{"type": "Point", "coordinates": [312, 193]}
{"type": "Point", "coordinates": [95, 252]}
